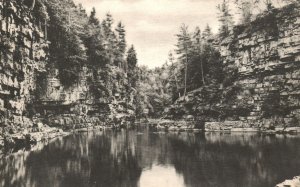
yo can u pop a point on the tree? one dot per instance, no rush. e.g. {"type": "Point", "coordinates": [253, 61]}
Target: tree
{"type": "Point", "coordinates": [131, 58]}
{"type": "Point", "coordinates": [107, 25]}
{"type": "Point", "coordinates": [121, 38]}
{"type": "Point", "coordinates": [206, 34]}
{"type": "Point", "coordinates": [246, 8]}
{"type": "Point", "coordinates": [131, 62]}
{"type": "Point", "coordinates": [32, 5]}
{"type": "Point", "coordinates": [225, 19]}
{"type": "Point", "coordinates": [93, 19]}
{"type": "Point", "coordinates": [121, 45]}
{"type": "Point", "coordinates": [197, 46]}
{"type": "Point", "coordinates": [67, 49]}
{"type": "Point", "coordinates": [184, 45]}
{"type": "Point", "coordinates": [173, 80]}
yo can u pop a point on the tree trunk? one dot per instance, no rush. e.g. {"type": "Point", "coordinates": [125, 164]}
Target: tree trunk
{"type": "Point", "coordinates": [33, 5]}
{"type": "Point", "coordinates": [202, 73]}
{"type": "Point", "coordinates": [185, 73]}
{"type": "Point", "coordinates": [176, 80]}
{"type": "Point", "coordinates": [45, 31]}
{"type": "Point", "coordinates": [201, 64]}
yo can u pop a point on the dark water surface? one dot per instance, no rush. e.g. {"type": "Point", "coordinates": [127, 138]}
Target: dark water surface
{"type": "Point", "coordinates": [144, 158]}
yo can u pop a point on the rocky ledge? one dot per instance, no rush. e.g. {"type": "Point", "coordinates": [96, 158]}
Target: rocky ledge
{"type": "Point", "coordinates": [295, 182]}
{"type": "Point", "coordinates": [225, 126]}
{"type": "Point", "coordinates": [37, 133]}
{"type": "Point", "coordinates": [41, 132]}
{"type": "Point", "coordinates": [239, 126]}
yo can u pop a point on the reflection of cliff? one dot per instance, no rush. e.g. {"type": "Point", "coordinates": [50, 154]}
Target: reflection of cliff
{"type": "Point", "coordinates": [229, 160]}
{"type": "Point", "coordinates": [121, 158]}
{"type": "Point", "coordinates": [78, 160]}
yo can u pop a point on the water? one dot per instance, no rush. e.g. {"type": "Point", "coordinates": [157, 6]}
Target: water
{"type": "Point", "coordinates": [148, 159]}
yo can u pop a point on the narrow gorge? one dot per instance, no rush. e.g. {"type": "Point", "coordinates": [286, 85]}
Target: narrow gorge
{"type": "Point", "coordinates": [46, 80]}
{"type": "Point", "coordinates": [261, 88]}
{"type": "Point", "coordinates": [79, 107]}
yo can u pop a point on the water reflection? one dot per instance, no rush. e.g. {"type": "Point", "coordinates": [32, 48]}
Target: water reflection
{"type": "Point", "coordinates": [165, 176]}
{"type": "Point", "coordinates": [142, 158]}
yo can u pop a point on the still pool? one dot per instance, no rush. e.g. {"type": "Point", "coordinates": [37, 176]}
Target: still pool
{"type": "Point", "coordinates": [141, 157]}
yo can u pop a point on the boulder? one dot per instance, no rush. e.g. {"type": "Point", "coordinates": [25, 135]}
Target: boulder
{"type": "Point", "coordinates": [292, 130]}
{"type": "Point", "coordinates": [290, 183]}
{"type": "Point", "coordinates": [34, 137]}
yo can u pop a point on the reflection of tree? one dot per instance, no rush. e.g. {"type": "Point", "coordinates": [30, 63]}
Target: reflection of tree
{"type": "Point", "coordinates": [77, 160]}
{"type": "Point", "coordinates": [117, 159]}
{"type": "Point", "coordinates": [114, 161]}
{"type": "Point", "coordinates": [229, 160]}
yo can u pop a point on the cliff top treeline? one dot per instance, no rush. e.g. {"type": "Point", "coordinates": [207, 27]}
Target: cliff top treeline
{"type": "Point", "coordinates": [198, 62]}
{"type": "Point", "coordinates": [79, 39]}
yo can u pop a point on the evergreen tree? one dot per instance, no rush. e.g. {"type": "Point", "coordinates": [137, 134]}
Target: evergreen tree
{"type": "Point", "coordinates": [132, 62]}
{"type": "Point", "coordinates": [131, 58]}
{"type": "Point", "coordinates": [197, 45]}
{"type": "Point", "coordinates": [121, 45]}
{"type": "Point", "coordinates": [121, 38]}
{"type": "Point", "coordinates": [225, 19]}
{"type": "Point", "coordinates": [246, 8]}
{"type": "Point", "coordinates": [184, 46]}
{"type": "Point", "coordinates": [67, 49]}
{"type": "Point", "coordinates": [173, 80]}
{"type": "Point", "coordinates": [93, 19]}
{"type": "Point", "coordinates": [107, 25]}
{"type": "Point", "coordinates": [207, 33]}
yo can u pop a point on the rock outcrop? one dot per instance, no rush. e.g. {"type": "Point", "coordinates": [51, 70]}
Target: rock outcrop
{"type": "Point", "coordinates": [290, 183]}
{"type": "Point", "coordinates": [266, 92]}
{"type": "Point", "coordinates": [23, 55]}
{"type": "Point", "coordinates": [32, 92]}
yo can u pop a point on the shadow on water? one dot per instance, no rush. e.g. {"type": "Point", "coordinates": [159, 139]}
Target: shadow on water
{"type": "Point", "coordinates": [143, 158]}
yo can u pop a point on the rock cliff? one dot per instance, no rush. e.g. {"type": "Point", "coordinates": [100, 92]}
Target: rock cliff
{"type": "Point", "coordinates": [23, 56]}
{"type": "Point", "coordinates": [33, 93]}
{"type": "Point", "coordinates": [265, 56]}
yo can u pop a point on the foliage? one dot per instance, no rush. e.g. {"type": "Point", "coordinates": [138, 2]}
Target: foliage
{"type": "Point", "coordinates": [225, 18]}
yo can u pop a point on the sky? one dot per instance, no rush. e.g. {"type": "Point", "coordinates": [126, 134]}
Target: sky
{"type": "Point", "coordinates": [151, 25]}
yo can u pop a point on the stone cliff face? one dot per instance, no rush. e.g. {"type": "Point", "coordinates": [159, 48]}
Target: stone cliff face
{"type": "Point", "coordinates": [23, 56]}
{"type": "Point", "coordinates": [267, 55]}
{"type": "Point", "coordinates": [266, 91]}
{"type": "Point", "coordinates": [31, 91]}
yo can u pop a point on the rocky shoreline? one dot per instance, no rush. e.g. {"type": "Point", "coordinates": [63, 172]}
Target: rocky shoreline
{"type": "Point", "coordinates": [41, 132]}
{"type": "Point", "coordinates": [295, 182]}
{"type": "Point", "coordinates": [226, 126]}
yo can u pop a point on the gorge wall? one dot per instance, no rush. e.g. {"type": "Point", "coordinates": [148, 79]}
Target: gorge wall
{"type": "Point", "coordinates": [265, 92]}
{"type": "Point", "coordinates": [32, 90]}
{"type": "Point", "coordinates": [23, 56]}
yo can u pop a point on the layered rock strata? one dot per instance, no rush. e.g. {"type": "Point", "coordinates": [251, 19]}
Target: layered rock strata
{"type": "Point", "coordinates": [266, 92]}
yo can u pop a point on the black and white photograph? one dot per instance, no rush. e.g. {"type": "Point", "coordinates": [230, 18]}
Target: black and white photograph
{"type": "Point", "coordinates": [149, 93]}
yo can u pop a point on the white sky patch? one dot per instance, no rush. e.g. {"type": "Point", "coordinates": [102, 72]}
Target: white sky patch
{"type": "Point", "coordinates": [152, 25]}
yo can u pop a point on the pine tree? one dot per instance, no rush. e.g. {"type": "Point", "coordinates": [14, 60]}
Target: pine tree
{"type": "Point", "coordinates": [121, 45]}
{"type": "Point", "coordinates": [225, 18]}
{"type": "Point", "coordinates": [173, 77]}
{"type": "Point", "coordinates": [110, 39]}
{"type": "Point", "coordinates": [67, 49]}
{"type": "Point", "coordinates": [207, 33]}
{"type": "Point", "coordinates": [197, 44]}
{"type": "Point", "coordinates": [131, 60]}
{"type": "Point", "coordinates": [121, 38]}
{"type": "Point", "coordinates": [107, 25]}
{"type": "Point", "coordinates": [246, 8]}
{"type": "Point", "coordinates": [93, 19]}
{"type": "Point", "coordinates": [184, 45]}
